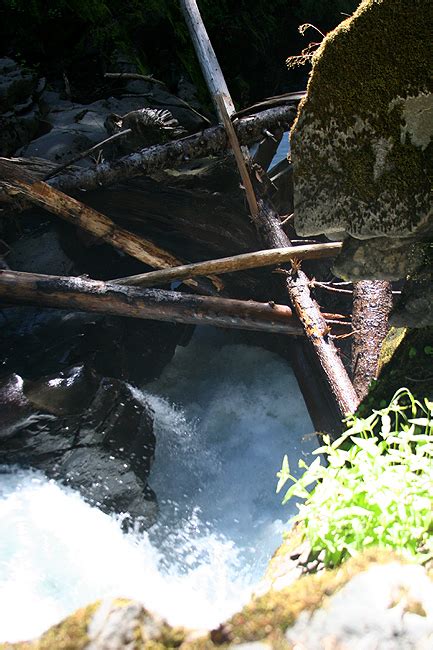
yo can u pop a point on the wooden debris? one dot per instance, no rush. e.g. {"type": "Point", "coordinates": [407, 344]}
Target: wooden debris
{"type": "Point", "coordinates": [372, 303]}
{"type": "Point", "coordinates": [97, 224]}
{"type": "Point", "coordinates": [269, 227]}
{"type": "Point", "coordinates": [81, 294]}
{"type": "Point", "coordinates": [254, 260]}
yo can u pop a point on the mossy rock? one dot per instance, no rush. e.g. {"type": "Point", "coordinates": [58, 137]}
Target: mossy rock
{"type": "Point", "coordinates": [269, 616]}
{"type": "Point", "coordinates": [362, 144]}
{"type": "Point", "coordinates": [117, 623]}
{"type": "Point", "coordinates": [126, 624]}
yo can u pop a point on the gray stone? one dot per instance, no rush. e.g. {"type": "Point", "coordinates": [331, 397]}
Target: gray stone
{"type": "Point", "coordinates": [388, 607]}
{"type": "Point", "coordinates": [89, 432]}
{"type": "Point", "coordinates": [16, 84]}
{"type": "Point", "coordinates": [362, 144]}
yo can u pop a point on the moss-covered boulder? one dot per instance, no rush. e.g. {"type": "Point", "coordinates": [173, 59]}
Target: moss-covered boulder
{"type": "Point", "coordinates": [376, 594]}
{"type": "Point", "coordinates": [113, 624]}
{"type": "Point", "coordinates": [362, 144]}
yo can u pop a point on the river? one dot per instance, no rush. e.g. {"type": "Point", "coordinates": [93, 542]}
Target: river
{"type": "Point", "coordinates": [225, 414]}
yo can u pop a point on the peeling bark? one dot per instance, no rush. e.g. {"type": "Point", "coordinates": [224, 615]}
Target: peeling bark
{"type": "Point", "coordinates": [372, 303]}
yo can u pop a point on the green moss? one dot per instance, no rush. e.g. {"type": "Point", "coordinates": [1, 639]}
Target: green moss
{"type": "Point", "coordinates": [397, 54]}
{"type": "Point", "coordinates": [274, 612]}
{"type": "Point", "coordinates": [362, 68]}
{"type": "Point", "coordinates": [70, 634]}
{"type": "Point", "coordinates": [390, 344]}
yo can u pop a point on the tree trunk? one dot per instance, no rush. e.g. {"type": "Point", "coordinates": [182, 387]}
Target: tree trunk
{"type": "Point", "coordinates": [79, 294]}
{"type": "Point", "coordinates": [372, 303]}
{"type": "Point", "coordinates": [206, 55]}
{"type": "Point", "coordinates": [210, 142]}
{"type": "Point", "coordinates": [315, 326]}
{"type": "Point", "coordinates": [316, 330]}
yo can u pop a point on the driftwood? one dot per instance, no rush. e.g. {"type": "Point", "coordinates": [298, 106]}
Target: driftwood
{"type": "Point", "coordinates": [297, 283]}
{"type": "Point", "coordinates": [97, 224]}
{"type": "Point", "coordinates": [210, 142]}
{"type": "Point", "coordinates": [205, 53]}
{"type": "Point", "coordinates": [131, 76]}
{"type": "Point", "coordinates": [315, 326]}
{"type": "Point", "coordinates": [81, 294]}
{"type": "Point", "coordinates": [372, 303]}
{"type": "Point", "coordinates": [239, 155]}
{"type": "Point", "coordinates": [254, 260]}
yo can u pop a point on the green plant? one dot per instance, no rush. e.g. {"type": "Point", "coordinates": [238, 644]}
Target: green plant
{"type": "Point", "coordinates": [376, 488]}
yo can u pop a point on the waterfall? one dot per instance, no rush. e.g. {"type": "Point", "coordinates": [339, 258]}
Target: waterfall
{"type": "Point", "coordinates": [225, 414]}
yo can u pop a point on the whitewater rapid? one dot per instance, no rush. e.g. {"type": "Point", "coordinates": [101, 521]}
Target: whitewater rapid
{"type": "Point", "coordinates": [225, 414]}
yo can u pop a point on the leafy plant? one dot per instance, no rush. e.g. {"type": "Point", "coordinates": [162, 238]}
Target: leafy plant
{"type": "Point", "coordinates": [376, 488]}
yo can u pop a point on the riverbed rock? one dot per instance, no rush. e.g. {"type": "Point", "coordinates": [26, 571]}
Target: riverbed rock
{"type": "Point", "coordinates": [91, 433]}
{"type": "Point", "coordinates": [72, 127]}
{"type": "Point", "coordinates": [362, 144]}
{"type": "Point", "coordinates": [19, 112]}
{"type": "Point", "coordinates": [376, 601]}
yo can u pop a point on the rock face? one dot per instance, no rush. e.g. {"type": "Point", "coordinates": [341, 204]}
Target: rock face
{"type": "Point", "coordinates": [362, 145]}
{"type": "Point", "coordinates": [66, 406]}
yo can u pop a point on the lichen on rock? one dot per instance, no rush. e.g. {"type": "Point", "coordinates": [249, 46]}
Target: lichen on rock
{"type": "Point", "coordinates": [362, 144]}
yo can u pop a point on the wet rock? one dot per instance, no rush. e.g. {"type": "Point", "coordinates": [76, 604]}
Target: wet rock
{"type": "Point", "coordinates": [89, 432]}
{"type": "Point", "coordinates": [16, 84]}
{"type": "Point", "coordinates": [19, 113]}
{"type": "Point", "coordinates": [362, 144]}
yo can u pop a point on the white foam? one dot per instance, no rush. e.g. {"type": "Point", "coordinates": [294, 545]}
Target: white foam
{"type": "Point", "coordinates": [225, 415]}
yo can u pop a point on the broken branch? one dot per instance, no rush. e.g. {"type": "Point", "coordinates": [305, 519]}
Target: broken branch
{"type": "Point", "coordinates": [253, 260]}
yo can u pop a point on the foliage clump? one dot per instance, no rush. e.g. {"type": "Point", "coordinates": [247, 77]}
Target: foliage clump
{"type": "Point", "coordinates": [376, 488]}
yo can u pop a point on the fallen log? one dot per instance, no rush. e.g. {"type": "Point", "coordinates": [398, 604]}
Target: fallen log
{"type": "Point", "coordinates": [97, 224]}
{"type": "Point", "coordinates": [253, 260]}
{"type": "Point", "coordinates": [205, 53]}
{"type": "Point", "coordinates": [80, 294]}
{"type": "Point", "coordinates": [210, 142]}
{"type": "Point", "coordinates": [269, 227]}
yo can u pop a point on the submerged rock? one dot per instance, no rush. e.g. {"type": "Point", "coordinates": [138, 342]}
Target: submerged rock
{"type": "Point", "coordinates": [362, 144]}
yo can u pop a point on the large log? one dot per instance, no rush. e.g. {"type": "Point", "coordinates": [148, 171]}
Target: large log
{"type": "Point", "coordinates": [308, 311]}
{"type": "Point", "coordinates": [80, 294]}
{"type": "Point", "coordinates": [80, 215]}
{"type": "Point", "coordinates": [206, 55]}
{"type": "Point", "coordinates": [254, 260]}
{"type": "Point", "coordinates": [210, 142]}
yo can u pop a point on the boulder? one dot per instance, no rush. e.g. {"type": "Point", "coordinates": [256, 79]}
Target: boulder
{"type": "Point", "coordinates": [91, 433]}
{"type": "Point", "coordinates": [362, 142]}
{"type": "Point", "coordinates": [16, 84]}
